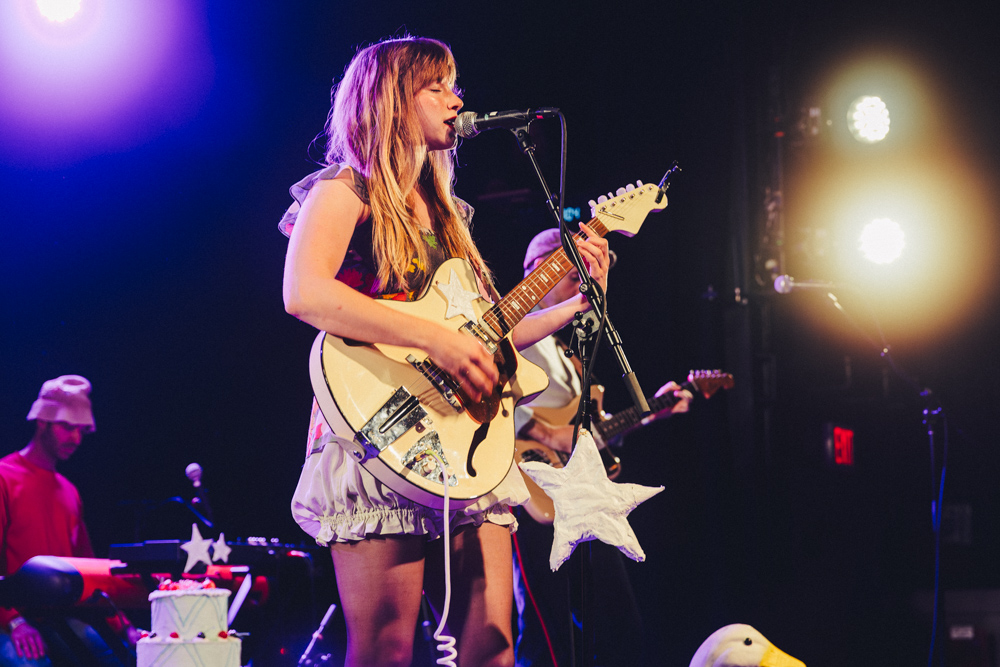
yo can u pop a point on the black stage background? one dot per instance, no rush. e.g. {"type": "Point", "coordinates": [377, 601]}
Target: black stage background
{"type": "Point", "coordinates": [156, 273]}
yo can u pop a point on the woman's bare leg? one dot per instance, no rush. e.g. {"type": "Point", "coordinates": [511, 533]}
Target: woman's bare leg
{"type": "Point", "coordinates": [482, 593]}
{"type": "Point", "coordinates": [380, 581]}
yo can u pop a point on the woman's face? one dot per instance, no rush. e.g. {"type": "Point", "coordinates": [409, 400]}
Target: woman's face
{"type": "Point", "coordinates": [438, 105]}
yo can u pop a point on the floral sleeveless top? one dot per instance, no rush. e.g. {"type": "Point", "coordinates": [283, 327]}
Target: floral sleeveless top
{"type": "Point", "coordinates": [358, 269]}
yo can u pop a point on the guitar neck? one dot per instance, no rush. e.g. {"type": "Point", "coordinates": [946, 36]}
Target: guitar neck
{"type": "Point", "coordinates": [626, 420]}
{"type": "Point", "coordinates": [511, 309]}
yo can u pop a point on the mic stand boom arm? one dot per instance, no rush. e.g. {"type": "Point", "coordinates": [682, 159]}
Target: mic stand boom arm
{"type": "Point", "coordinates": [588, 286]}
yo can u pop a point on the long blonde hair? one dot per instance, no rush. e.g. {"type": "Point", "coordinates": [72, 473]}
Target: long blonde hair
{"type": "Point", "coordinates": [374, 127]}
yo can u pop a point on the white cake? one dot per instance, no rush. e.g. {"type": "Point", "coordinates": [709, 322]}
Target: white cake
{"type": "Point", "coordinates": [189, 629]}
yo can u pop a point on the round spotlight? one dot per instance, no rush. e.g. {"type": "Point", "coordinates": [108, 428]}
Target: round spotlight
{"type": "Point", "coordinates": [882, 241]}
{"type": "Point", "coordinates": [868, 119]}
{"type": "Point", "coordinates": [58, 11]}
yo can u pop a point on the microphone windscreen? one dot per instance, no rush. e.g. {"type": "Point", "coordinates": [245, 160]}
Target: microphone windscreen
{"type": "Point", "coordinates": [193, 472]}
{"type": "Point", "coordinates": [465, 125]}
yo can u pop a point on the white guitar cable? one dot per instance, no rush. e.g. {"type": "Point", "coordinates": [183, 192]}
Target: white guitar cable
{"type": "Point", "coordinates": [446, 643]}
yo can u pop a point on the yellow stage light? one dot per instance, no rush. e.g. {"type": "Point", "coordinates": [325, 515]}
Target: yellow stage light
{"type": "Point", "coordinates": [882, 241]}
{"type": "Point", "coordinates": [868, 119]}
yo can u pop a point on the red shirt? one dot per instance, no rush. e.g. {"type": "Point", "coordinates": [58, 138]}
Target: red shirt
{"type": "Point", "coordinates": [41, 514]}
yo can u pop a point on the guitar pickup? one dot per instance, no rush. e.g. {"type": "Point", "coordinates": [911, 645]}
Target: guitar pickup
{"type": "Point", "coordinates": [437, 378]}
{"type": "Point", "coordinates": [397, 416]}
{"type": "Point", "coordinates": [476, 330]}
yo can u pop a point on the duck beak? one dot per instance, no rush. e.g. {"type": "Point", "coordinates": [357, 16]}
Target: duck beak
{"type": "Point", "coordinates": [775, 657]}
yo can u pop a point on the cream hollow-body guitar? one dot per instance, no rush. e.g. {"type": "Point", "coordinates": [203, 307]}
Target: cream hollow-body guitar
{"type": "Point", "coordinates": [605, 428]}
{"type": "Point", "coordinates": [391, 406]}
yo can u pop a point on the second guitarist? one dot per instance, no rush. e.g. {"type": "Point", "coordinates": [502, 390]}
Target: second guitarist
{"type": "Point", "coordinates": [619, 636]}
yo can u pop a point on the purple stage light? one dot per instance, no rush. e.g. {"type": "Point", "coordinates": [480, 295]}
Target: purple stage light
{"type": "Point", "coordinates": [106, 79]}
{"type": "Point", "coordinates": [58, 10]}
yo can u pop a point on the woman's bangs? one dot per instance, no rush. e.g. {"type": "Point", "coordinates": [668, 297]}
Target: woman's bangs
{"type": "Point", "coordinates": [435, 64]}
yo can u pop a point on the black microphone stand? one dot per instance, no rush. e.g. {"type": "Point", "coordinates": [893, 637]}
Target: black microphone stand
{"type": "Point", "coordinates": [595, 295]}
{"type": "Point", "coordinates": [935, 420]}
{"type": "Point", "coordinates": [588, 286]}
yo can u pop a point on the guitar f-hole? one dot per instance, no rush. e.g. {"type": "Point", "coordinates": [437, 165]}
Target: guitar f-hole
{"type": "Point", "coordinates": [477, 438]}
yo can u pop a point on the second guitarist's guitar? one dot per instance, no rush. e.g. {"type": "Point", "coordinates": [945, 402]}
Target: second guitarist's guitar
{"type": "Point", "coordinates": [391, 406]}
{"type": "Point", "coordinates": [606, 428]}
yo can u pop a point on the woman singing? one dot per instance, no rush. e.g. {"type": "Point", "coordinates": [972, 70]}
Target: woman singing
{"type": "Point", "coordinates": [375, 223]}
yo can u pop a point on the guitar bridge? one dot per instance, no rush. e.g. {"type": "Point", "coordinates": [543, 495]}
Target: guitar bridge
{"type": "Point", "coordinates": [397, 416]}
{"type": "Point", "coordinates": [437, 378]}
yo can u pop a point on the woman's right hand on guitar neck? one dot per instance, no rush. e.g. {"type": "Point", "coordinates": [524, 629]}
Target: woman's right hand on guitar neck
{"type": "Point", "coordinates": [465, 360]}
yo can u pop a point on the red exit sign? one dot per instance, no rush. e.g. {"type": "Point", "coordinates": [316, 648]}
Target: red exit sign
{"type": "Point", "coordinates": [839, 445]}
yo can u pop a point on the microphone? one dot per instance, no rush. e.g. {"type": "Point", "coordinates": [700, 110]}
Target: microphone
{"type": "Point", "coordinates": [469, 123]}
{"type": "Point", "coordinates": [785, 284]}
{"type": "Point", "coordinates": [193, 472]}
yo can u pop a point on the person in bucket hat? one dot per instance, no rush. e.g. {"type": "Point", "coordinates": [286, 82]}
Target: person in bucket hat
{"type": "Point", "coordinates": [41, 513]}
{"type": "Point", "coordinates": [64, 399]}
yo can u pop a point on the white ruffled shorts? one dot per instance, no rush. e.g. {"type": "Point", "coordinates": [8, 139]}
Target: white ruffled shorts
{"type": "Point", "coordinates": [336, 500]}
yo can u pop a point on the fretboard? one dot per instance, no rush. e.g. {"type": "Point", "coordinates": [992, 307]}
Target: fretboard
{"type": "Point", "coordinates": [503, 316]}
{"type": "Point", "coordinates": [624, 421]}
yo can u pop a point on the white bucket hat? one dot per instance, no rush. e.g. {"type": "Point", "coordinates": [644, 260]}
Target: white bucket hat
{"type": "Point", "coordinates": [64, 399]}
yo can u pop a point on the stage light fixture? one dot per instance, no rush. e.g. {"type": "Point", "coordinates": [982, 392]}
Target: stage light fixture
{"type": "Point", "coordinates": [59, 11]}
{"type": "Point", "coordinates": [868, 119]}
{"type": "Point", "coordinates": [882, 241]}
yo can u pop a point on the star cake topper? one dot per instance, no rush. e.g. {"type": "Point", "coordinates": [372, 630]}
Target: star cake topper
{"type": "Point", "coordinates": [197, 549]}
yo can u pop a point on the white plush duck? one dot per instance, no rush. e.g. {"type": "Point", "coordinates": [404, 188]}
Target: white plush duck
{"type": "Point", "coordinates": [740, 645]}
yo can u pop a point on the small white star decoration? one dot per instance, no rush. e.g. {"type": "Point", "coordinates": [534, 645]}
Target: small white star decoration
{"type": "Point", "coordinates": [588, 505]}
{"type": "Point", "coordinates": [459, 300]}
{"type": "Point", "coordinates": [221, 550]}
{"type": "Point", "coordinates": [197, 549]}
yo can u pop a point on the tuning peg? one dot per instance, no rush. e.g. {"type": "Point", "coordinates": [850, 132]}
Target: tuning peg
{"type": "Point", "coordinates": [610, 196]}
{"type": "Point", "coordinates": [602, 199]}
{"type": "Point", "coordinates": [638, 183]}
{"type": "Point", "coordinates": [629, 188]}
{"type": "Point", "coordinates": [593, 204]}
{"type": "Point", "coordinates": [620, 191]}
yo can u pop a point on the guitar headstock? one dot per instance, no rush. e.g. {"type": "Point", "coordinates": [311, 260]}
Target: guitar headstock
{"type": "Point", "coordinates": [709, 382]}
{"type": "Point", "coordinates": [626, 210]}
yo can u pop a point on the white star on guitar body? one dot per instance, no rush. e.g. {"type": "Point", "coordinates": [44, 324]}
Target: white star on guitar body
{"type": "Point", "coordinates": [459, 300]}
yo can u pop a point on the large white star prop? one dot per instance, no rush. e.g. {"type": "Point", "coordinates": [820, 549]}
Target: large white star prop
{"type": "Point", "coordinates": [459, 300]}
{"type": "Point", "coordinates": [221, 550]}
{"type": "Point", "coordinates": [197, 549]}
{"type": "Point", "coordinates": [588, 505]}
